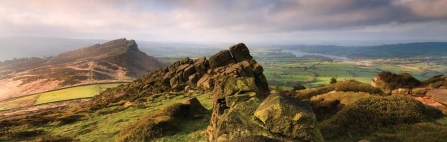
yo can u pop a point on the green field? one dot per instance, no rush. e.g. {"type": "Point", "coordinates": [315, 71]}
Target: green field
{"type": "Point", "coordinates": [78, 92]}
{"type": "Point", "coordinates": [73, 93]}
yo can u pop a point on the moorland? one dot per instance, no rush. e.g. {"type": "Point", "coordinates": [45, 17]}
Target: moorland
{"type": "Point", "coordinates": [355, 97]}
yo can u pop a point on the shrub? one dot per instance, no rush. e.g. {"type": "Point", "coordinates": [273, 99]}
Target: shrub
{"type": "Point", "coordinates": [327, 105]}
{"type": "Point", "coordinates": [324, 109]}
{"type": "Point", "coordinates": [433, 112]}
{"type": "Point", "coordinates": [418, 132]}
{"type": "Point", "coordinates": [298, 87]}
{"type": "Point", "coordinates": [368, 114]}
{"type": "Point", "coordinates": [393, 81]}
{"type": "Point", "coordinates": [69, 118]}
{"type": "Point", "coordinates": [333, 80]}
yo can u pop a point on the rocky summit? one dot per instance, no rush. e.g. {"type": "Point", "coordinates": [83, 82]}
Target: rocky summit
{"type": "Point", "coordinates": [227, 73]}
{"type": "Point", "coordinates": [243, 107]}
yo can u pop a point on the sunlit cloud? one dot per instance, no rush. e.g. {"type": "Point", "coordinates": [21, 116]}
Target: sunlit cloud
{"type": "Point", "coordinates": [225, 20]}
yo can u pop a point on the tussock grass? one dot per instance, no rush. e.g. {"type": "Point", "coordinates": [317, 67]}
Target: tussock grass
{"type": "Point", "coordinates": [367, 115]}
{"type": "Point", "coordinates": [345, 98]}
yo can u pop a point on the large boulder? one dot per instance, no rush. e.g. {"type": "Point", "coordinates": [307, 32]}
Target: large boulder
{"type": "Point", "coordinates": [289, 117]}
{"type": "Point", "coordinates": [279, 118]}
{"type": "Point", "coordinates": [221, 59]}
{"type": "Point", "coordinates": [205, 82]}
{"type": "Point", "coordinates": [240, 52]}
{"type": "Point", "coordinates": [201, 65]}
{"type": "Point", "coordinates": [189, 71]}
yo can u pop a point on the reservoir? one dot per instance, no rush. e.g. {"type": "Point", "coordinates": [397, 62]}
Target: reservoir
{"type": "Point", "coordinates": [301, 54]}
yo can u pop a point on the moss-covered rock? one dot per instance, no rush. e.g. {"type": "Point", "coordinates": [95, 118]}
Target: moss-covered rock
{"type": "Point", "coordinates": [238, 121]}
{"type": "Point", "coordinates": [239, 86]}
{"type": "Point", "coordinates": [235, 99]}
{"type": "Point", "coordinates": [289, 117]}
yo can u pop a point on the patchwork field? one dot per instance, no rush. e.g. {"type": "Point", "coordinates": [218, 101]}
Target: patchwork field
{"type": "Point", "coordinates": [284, 69]}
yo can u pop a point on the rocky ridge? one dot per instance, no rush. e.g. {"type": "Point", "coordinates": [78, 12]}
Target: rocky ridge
{"type": "Point", "coordinates": [243, 107]}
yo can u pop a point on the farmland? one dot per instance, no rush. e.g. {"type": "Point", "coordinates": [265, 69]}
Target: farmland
{"type": "Point", "coordinates": [286, 70]}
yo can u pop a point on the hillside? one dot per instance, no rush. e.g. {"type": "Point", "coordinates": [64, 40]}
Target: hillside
{"type": "Point", "coordinates": [406, 50]}
{"type": "Point", "coordinates": [227, 98]}
{"type": "Point", "coordinates": [114, 61]}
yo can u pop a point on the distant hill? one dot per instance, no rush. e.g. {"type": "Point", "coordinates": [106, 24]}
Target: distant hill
{"type": "Point", "coordinates": [114, 61]}
{"type": "Point", "coordinates": [405, 50]}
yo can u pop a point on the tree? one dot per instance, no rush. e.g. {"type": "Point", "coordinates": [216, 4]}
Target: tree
{"type": "Point", "coordinates": [333, 80]}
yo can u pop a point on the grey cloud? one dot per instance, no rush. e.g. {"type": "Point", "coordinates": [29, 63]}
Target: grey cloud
{"type": "Point", "coordinates": [217, 19]}
{"type": "Point", "coordinates": [314, 14]}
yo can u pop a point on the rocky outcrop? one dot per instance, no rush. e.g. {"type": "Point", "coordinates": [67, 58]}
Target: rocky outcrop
{"type": "Point", "coordinates": [239, 88]}
{"type": "Point", "coordinates": [234, 67]}
{"type": "Point", "coordinates": [239, 112]}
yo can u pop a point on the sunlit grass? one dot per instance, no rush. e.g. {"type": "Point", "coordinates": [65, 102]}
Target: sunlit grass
{"type": "Point", "coordinates": [73, 93]}
{"type": "Point", "coordinates": [106, 123]}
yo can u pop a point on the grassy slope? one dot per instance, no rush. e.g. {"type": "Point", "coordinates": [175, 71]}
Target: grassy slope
{"type": "Point", "coordinates": [106, 123]}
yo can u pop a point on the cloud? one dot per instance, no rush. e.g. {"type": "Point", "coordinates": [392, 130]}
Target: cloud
{"type": "Point", "coordinates": [221, 20]}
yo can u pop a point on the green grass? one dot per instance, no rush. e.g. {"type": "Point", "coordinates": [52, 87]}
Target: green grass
{"type": "Point", "coordinates": [106, 123]}
{"type": "Point", "coordinates": [73, 93]}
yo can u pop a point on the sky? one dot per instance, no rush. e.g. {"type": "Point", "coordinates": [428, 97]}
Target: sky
{"type": "Point", "coordinates": [264, 21]}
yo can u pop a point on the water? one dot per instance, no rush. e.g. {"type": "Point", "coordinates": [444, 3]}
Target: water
{"type": "Point", "coordinates": [301, 54]}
